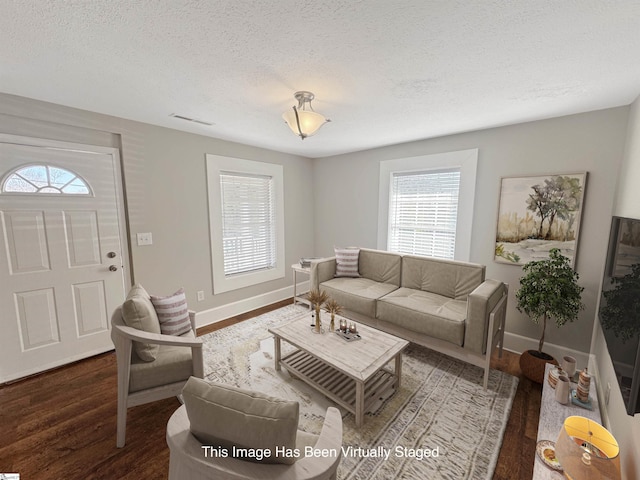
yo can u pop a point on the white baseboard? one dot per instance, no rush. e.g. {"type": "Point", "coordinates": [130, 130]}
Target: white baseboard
{"type": "Point", "coordinates": [518, 344]}
{"type": "Point", "coordinates": [217, 314]}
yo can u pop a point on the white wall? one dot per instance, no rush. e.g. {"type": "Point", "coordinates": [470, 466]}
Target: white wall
{"type": "Point", "coordinates": [625, 428]}
{"type": "Point", "coordinates": [346, 206]}
{"type": "Point", "coordinates": [166, 189]}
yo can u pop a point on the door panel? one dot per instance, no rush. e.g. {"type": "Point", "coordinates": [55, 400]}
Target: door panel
{"type": "Point", "coordinates": [37, 318]}
{"type": "Point", "coordinates": [90, 308]}
{"type": "Point", "coordinates": [57, 292]}
{"type": "Point", "coordinates": [27, 244]}
{"type": "Point", "coordinates": [83, 243]}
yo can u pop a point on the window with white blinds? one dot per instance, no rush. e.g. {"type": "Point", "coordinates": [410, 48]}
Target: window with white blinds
{"type": "Point", "coordinates": [423, 212]}
{"type": "Point", "coordinates": [248, 222]}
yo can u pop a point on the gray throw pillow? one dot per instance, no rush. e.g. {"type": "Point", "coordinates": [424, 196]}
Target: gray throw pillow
{"type": "Point", "coordinates": [138, 312]}
{"type": "Point", "coordinates": [241, 421]}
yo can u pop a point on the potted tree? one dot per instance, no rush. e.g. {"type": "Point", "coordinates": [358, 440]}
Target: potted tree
{"type": "Point", "coordinates": [548, 290]}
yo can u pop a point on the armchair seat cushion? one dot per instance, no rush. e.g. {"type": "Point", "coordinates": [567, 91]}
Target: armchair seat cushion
{"type": "Point", "coordinates": [425, 312]}
{"type": "Point", "coordinates": [172, 364]}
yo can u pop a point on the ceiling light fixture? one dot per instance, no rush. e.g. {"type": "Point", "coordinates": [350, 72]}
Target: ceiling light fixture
{"type": "Point", "coordinates": [302, 120]}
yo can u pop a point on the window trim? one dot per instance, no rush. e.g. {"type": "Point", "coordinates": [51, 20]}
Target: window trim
{"type": "Point", "coordinates": [217, 164]}
{"type": "Point", "coordinates": [465, 160]}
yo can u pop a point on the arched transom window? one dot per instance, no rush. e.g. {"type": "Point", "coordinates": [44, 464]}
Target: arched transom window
{"type": "Point", "coordinates": [46, 179]}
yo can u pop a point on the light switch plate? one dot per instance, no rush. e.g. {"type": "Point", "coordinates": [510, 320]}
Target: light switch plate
{"type": "Point", "coordinates": [144, 239]}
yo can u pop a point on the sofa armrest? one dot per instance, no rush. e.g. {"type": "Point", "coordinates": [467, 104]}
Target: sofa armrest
{"type": "Point", "coordinates": [321, 271]}
{"type": "Point", "coordinates": [480, 304]}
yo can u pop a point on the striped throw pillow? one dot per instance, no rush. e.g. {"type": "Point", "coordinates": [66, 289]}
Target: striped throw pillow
{"type": "Point", "coordinates": [173, 313]}
{"type": "Point", "coordinates": [347, 262]}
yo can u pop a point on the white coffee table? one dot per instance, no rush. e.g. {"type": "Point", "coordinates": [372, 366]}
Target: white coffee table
{"type": "Point", "coordinates": [352, 374]}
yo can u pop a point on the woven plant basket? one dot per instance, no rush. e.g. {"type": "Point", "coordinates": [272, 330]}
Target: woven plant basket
{"type": "Point", "coordinates": [532, 365]}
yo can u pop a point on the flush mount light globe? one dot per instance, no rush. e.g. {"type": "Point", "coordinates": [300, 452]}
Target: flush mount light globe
{"type": "Point", "coordinates": [303, 120]}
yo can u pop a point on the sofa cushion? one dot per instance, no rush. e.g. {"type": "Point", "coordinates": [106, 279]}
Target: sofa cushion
{"type": "Point", "coordinates": [380, 266]}
{"type": "Point", "coordinates": [138, 312]}
{"type": "Point", "coordinates": [173, 313]}
{"type": "Point", "coordinates": [172, 364]}
{"type": "Point", "coordinates": [347, 262]}
{"type": "Point", "coordinates": [227, 416]}
{"type": "Point", "coordinates": [451, 279]}
{"type": "Point", "coordinates": [357, 294]}
{"type": "Point", "coordinates": [425, 312]}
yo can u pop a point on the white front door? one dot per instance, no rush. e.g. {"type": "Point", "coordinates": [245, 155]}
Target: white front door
{"type": "Point", "coordinates": [61, 254]}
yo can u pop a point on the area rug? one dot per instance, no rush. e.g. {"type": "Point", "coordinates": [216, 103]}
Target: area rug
{"type": "Point", "coordinates": [441, 424]}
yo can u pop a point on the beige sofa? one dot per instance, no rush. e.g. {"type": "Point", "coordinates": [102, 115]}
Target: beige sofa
{"type": "Point", "coordinates": [445, 305]}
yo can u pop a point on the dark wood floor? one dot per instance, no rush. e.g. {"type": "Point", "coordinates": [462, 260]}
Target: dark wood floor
{"type": "Point", "coordinates": [62, 424]}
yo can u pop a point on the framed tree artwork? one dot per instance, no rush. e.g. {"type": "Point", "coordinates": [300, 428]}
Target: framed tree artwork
{"type": "Point", "coordinates": [538, 213]}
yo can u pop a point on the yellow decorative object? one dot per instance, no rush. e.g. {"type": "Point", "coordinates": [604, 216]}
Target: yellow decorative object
{"type": "Point", "coordinates": [586, 450]}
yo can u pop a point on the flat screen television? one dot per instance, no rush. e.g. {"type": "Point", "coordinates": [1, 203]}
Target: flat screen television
{"type": "Point", "coordinates": [620, 307]}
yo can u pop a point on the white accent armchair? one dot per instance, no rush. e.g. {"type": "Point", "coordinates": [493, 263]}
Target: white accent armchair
{"type": "Point", "coordinates": [139, 382]}
{"type": "Point", "coordinates": [188, 461]}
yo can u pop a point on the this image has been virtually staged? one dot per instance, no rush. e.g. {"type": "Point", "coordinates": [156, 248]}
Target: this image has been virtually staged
{"type": "Point", "coordinates": [260, 454]}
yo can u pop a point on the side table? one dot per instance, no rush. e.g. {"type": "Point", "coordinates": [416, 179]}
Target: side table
{"type": "Point", "coordinates": [552, 416]}
{"type": "Point", "coordinates": [299, 297]}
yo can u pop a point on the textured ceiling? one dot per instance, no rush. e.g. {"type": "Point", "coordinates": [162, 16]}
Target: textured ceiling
{"type": "Point", "coordinates": [384, 71]}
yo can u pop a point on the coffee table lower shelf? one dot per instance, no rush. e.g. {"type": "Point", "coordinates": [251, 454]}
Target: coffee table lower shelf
{"type": "Point", "coordinates": [340, 387]}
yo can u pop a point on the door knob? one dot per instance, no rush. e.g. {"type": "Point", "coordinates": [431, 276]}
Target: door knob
{"type": "Point", "coordinates": [113, 268]}
{"type": "Point", "coordinates": [111, 254]}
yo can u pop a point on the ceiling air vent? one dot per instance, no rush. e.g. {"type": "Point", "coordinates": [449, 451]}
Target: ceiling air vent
{"type": "Point", "coordinates": [201, 122]}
